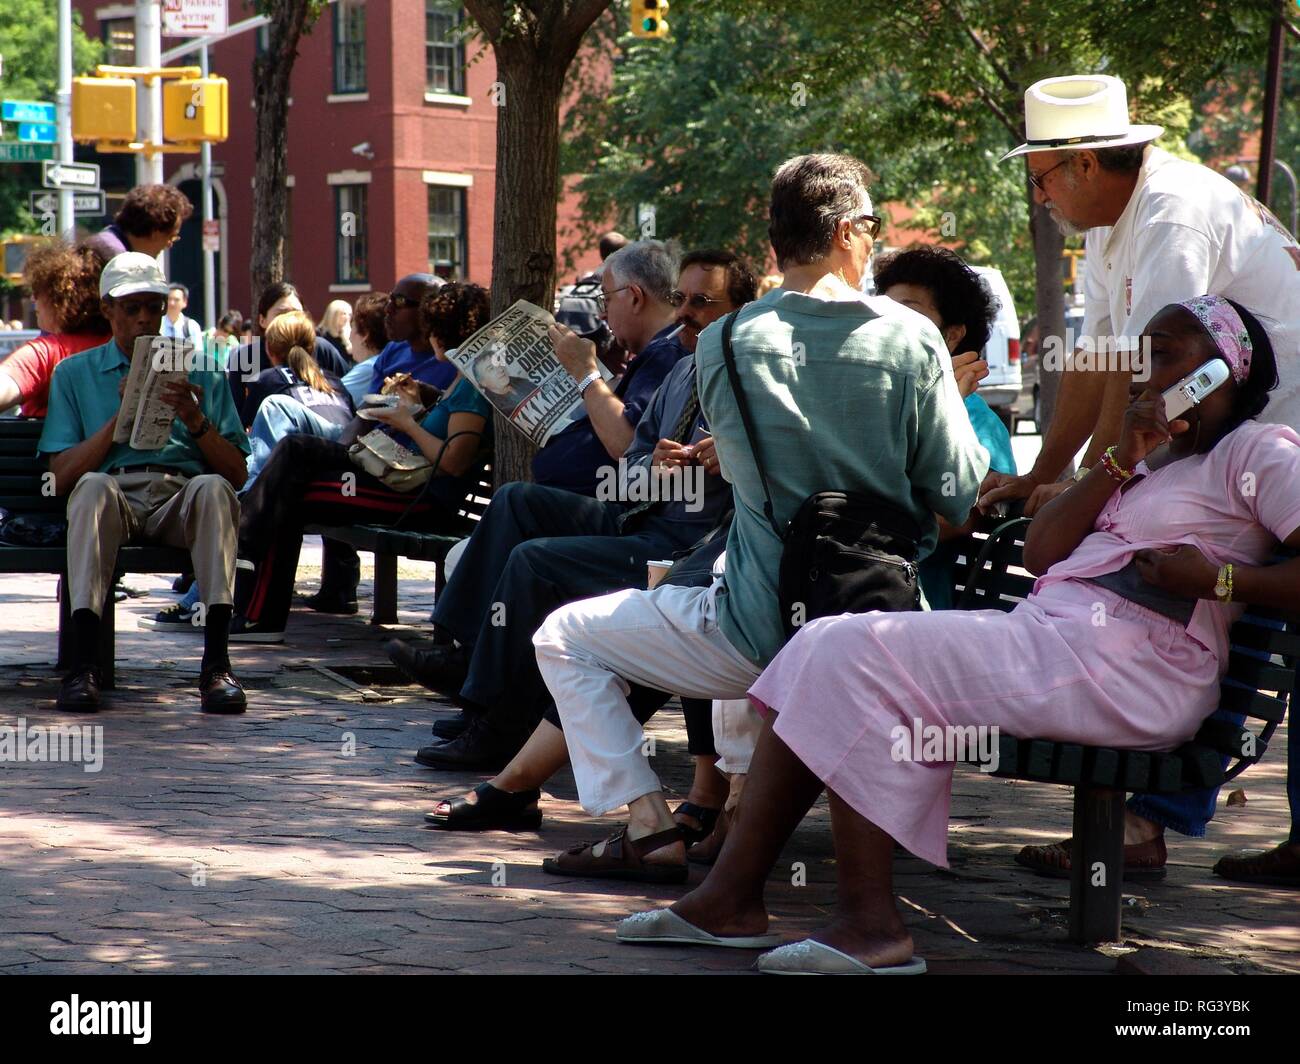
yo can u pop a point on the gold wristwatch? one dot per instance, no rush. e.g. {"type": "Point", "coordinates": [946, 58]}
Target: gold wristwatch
{"type": "Point", "coordinates": [1223, 585]}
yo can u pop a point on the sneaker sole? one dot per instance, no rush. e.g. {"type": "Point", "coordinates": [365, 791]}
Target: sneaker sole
{"type": "Point", "coordinates": [169, 626]}
{"type": "Point", "coordinates": [256, 637]}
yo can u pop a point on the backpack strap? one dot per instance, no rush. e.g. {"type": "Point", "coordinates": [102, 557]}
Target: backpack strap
{"type": "Point", "coordinates": [729, 357]}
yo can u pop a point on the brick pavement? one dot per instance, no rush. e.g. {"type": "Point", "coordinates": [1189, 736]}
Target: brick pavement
{"type": "Point", "coordinates": [257, 844]}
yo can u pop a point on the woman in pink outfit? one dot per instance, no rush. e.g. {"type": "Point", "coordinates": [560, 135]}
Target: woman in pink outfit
{"type": "Point", "coordinates": [1122, 643]}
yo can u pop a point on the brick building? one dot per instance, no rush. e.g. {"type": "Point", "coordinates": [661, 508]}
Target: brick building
{"type": "Point", "coordinates": [391, 121]}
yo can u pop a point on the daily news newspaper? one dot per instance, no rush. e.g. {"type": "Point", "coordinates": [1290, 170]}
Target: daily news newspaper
{"type": "Point", "coordinates": [144, 420]}
{"type": "Point", "coordinates": [511, 362]}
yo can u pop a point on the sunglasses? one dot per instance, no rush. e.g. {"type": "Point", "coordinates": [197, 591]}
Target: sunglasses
{"type": "Point", "coordinates": [1037, 179]}
{"type": "Point", "coordinates": [140, 306]}
{"type": "Point", "coordinates": [401, 302]}
{"type": "Point", "coordinates": [870, 223]}
{"type": "Point", "coordinates": [699, 301]}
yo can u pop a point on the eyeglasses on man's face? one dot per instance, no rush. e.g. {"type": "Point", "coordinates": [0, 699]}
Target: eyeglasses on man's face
{"type": "Point", "coordinates": [1037, 179]}
{"type": "Point", "coordinates": [135, 307]}
{"type": "Point", "coordinates": [602, 297]}
{"type": "Point", "coordinates": [699, 301]}
{"type": "Point", "coordinates": [869, 224]}
{"type": "Point", "coordinates": [400, 301]}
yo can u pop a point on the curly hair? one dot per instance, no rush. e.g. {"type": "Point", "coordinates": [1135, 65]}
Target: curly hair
{"type": "Point", "coordinates": [960, 295]}
{"type": "Point", "coordinates": [453, 313]}
{"type": "Point", "coordinates": [68, 278]}
{"type": "Point", "coordinates": [368, 319]}
{"type": "Point", "coordinates": [151, 209]}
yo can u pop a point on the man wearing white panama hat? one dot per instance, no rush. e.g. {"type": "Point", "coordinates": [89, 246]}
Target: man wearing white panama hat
{"type": "Point", "coordinates": [1159, 230]}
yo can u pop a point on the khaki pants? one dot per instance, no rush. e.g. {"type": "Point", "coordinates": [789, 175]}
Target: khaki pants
{"type": "Point", "coordinates": [105, 512]}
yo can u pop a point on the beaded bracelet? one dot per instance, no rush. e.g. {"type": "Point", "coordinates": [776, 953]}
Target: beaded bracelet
{"type": "Point", "coordinates": [1113, 468]}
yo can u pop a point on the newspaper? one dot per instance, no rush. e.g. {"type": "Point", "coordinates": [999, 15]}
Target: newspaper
{"type": "Point", "coordinates": [511, 362]}
{"type": "Point", "coordinates": [144, 421]}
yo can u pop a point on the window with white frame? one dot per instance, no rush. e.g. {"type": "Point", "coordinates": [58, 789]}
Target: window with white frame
{"type": "Point", "coordinates": [351, 261]}
{"type": "Point", "coordinates": [444, 50]}
{"type": "Point", "coordinates": [350, 46]}
{"type": "Point", "coordinates": [447, 244]}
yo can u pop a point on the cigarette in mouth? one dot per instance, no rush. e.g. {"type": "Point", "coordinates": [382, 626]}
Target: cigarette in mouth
{"type": "Point", "coordinates": [675, 331]}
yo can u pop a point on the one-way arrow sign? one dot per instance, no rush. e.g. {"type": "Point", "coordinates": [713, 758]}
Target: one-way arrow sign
{"type": "Point", "coordinates": [81, 176]}
{"type": "Point", "coordinates": [42, 203]}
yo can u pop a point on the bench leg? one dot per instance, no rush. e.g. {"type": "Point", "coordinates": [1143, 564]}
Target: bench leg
{"type": "Point", "coordinates": [385, 611]}
{"type": "Point", "coordinates": [107, 641]}
{"type": "Point", "coordinates": [1097, 865]}
{"type": "Point", "coordinates": [65, 626]}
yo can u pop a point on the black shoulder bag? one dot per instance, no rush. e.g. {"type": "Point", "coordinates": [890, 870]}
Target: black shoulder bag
{"type": "Point", "coordinates": [843, 551]}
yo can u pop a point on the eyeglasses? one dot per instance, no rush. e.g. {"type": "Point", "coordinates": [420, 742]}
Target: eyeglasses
{"type": "Point", "coordinates": [400, 301]}
{"type": "Point", "coordinates": [1037, 179]}
{"type": "Point", "coordinates": [131, 307]}
{"type": "Point", "coordinates": [699, 301]}
{"type": "Point", "coordinates": [872, 224]}
{"type": "Point", "coordinates": [602, 298]}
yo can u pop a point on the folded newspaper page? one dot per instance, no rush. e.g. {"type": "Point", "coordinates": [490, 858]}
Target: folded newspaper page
{"type": "Point", "coordinates": [513, 365]}
{"type": "Point", "coordinates": [144, 420]}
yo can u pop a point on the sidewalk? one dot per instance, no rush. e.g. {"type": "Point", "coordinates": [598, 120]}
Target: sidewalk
{"type": "Point", "coordinates": [263, 843]}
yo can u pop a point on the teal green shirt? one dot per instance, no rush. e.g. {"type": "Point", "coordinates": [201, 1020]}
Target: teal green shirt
{"type": "Point", "coordinates": [83, 397]}
{"type": "Point", "coordinates": [856, 395]}
{"type": "Point", "coordinates": [464, 399]}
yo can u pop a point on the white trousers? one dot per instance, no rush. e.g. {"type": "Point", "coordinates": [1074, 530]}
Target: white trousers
{"type": "Point", "coordinates": [590, 651]}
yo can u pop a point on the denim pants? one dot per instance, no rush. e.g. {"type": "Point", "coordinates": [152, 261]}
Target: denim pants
{"type": "Point", "coordinates": [1188, 812]}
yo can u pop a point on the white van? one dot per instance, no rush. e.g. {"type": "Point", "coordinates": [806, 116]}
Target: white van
{"type": "Point", "coordinates": [1001, 387]}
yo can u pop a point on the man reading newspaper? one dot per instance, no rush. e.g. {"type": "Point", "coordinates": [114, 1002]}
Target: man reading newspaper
{"type": "Point", "coordinates": [181, 494]}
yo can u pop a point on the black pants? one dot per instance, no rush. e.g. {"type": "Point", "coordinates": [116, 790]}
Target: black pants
{"type": "Point", "coordinates": [304, 483]}
{"type": "Point", "coordinates": [536, 549]}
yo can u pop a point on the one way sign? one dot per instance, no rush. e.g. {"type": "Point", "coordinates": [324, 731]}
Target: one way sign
{"type": "Point", "coordinates": [42, 203]}
{"type": "Point", "coordinates": [80, 176]}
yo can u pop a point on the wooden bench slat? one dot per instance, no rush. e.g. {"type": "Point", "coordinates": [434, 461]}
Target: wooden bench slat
{"type": "Point", "coordinates": [1252, 703]}
{"type": "Point", "coordinates": [1261, 675]}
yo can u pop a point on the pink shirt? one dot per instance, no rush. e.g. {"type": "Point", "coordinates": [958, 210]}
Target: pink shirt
{"type": "Point", "coordinates": [1233, 504]}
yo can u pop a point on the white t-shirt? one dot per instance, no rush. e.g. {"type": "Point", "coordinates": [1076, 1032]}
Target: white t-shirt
{"type": "Point", "coordinates": [184, 329]}
{"type": "Point", "coordinates": [1189, 231]}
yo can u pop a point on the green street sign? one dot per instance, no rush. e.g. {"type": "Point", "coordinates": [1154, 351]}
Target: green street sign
{"type": "Point", "coordinates": [12, 151]}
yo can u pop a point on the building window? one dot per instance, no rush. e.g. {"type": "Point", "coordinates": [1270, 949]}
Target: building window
{"type": "Point", "coordinates": [119, 41]}
{"type": "Point", "coordinates": [447, 257]}
{"type": "Point", "coordinates": [350, 46]}
{"type": "Point", "coordinates": [351, 263]}
{"type": "Point", "coordinates": [444, 50]}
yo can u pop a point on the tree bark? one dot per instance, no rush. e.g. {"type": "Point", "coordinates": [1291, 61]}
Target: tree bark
{"type": "Point", "coordinates": [1049, 243]}
{"type": "Point", "coordinates": [534, 45]}
{"type": "Point", "coordinates": [272, 72]}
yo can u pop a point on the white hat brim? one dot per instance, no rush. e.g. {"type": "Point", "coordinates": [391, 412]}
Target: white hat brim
{"type": "Point", "coordinates": [131, 288]}
{"type": "Point", "coordinates": [1135, 135]}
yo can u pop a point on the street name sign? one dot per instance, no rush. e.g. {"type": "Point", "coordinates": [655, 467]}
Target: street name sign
{"type": "Point", "coordinates": [77, 176]}
{"type": "Point", "coordinates": [27, 111]}
{"type": "Point", "coordinates": [14, 151]}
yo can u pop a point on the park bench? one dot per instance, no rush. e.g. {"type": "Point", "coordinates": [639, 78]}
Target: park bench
{"type": "Point", "coordinates": [23, 491]}
{"type": "Point", "coordinates": [388, 544]}
{"type": "Point", "coordinates": [989, 576]}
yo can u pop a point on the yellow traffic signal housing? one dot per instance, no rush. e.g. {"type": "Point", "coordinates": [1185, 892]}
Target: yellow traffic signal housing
{"type": "Point", "coordinates": [196, 109]}
{"type": "Point", "coordinates": [650, 18]}
{"type": "Point", "coordinates": [103, 109]}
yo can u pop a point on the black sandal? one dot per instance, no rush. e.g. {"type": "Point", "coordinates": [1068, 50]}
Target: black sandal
{"type": "Point", "coordinates": [494, 810]}
{"type": "Point", "coordinates": [708, 818]}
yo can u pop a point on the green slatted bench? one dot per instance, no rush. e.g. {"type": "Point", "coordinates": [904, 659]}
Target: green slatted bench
{"type": "Point", "coordinates": [21, 484]}
{"type": "Point", "coordinates": [989, 576]}
{"type": "Point", "coordinates": [389, 544]}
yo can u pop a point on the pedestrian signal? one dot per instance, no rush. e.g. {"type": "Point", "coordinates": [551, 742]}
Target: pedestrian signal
{"type": "Point", "coordinates": [196, 109]}
{"type": "Point", "coordinates": [103, 109]}
{"type": "Point", "coordinates": [650, 18]}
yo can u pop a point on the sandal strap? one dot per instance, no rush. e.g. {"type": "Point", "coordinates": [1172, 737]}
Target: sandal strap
{"type": "Point", "coordinates": [706, 816]}
{"type": "Point", "coordinates": [643, 846]}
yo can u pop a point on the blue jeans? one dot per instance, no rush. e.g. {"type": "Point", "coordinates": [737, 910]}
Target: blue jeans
{"type": "Point", "coordinates": [1188, 812]}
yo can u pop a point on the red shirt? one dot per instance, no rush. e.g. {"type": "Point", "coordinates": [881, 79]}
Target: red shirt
{"type": "Point", "coordinates": [32, 366]}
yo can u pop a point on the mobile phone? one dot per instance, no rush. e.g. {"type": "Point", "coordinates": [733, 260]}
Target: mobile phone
{"type": "Point", "coordinates": [1194, 387]}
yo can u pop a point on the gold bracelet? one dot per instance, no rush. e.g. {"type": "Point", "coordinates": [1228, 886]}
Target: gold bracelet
{"type": "Point", "coordinates": [1223, 585]}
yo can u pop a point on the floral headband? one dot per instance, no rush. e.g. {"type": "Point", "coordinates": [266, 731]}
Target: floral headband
{"type": "Point", "coordinates": [1227, 330]}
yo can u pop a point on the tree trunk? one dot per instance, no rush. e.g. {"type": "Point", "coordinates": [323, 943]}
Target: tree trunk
{"type": "Point", "coordinates": [533, 44]}
{"type": "Point", "coordinates": [272, 71]}
{"type": "Point", "coordinates": [1049, 303]}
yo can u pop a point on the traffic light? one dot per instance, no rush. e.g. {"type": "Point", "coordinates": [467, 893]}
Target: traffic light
{"type": "Point", "coordinates": [649, 18]}
{"type": "Point", "coordinates": [196, 109]}
{"type": "Point", "coordinates": [103, 109]}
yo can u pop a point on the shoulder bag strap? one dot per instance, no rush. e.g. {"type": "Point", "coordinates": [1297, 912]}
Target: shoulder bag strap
{"type": "Point", "coordinates": [729, 357]}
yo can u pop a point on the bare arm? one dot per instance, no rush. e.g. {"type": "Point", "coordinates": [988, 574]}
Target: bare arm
{"type": "Point", "coordinates": [221, 456]}
{"type": "Point", "coordinates": [605, 409]}
{"type": "Point", "coordinates": [453, 458]}
{"type": "Point", "coordinates": [9, 393]}
{"type": "Point", "coordinates": [71, 465]}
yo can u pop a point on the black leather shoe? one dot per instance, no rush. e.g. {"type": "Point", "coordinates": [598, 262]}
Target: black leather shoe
{"type": "Point", "coordinates": [220, 692]}
{"type": "Point", "coordinates": [323, 603]}
{"type": "Point", "coordinates": [452, 727]}
{"type": "Point", "coordinates": [79, 692]}
{"type": "Point", "coordinates": [479, 748]}
{"type": "Point", "coordinates": [439, 668]}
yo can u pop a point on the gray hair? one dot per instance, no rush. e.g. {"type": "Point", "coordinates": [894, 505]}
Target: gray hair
{"type": "Point", "coordinates": [651, 264]}
{"type": "Point", "coordinates": [811, 195]}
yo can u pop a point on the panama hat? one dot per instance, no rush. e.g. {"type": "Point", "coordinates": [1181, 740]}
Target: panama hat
{"type": "Point", "coordinates": [1079, 111]}
{"type": "Point", "coordinates": [132, 272]}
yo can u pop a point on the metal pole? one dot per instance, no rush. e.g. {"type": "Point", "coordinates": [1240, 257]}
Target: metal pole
{"type": "Point", "coordinates": [1295, 194]}
{"type": "Point", "coordinates": [148, 53]}
{"type": "Point", "coordinates": [209, 256]}
{"type": "Point", "coordinates": [1272, 93]}
{"type": "Point", "coordinates": [67, 216]}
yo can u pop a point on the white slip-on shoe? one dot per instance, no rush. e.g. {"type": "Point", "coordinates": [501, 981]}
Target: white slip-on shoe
{"type": "Point", "coordinates": [663, 926]}
{"type": "Point", "coordinates": [817, 958]}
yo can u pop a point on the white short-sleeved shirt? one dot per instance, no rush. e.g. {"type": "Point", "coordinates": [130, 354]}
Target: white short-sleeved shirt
{"type": "Point", "coordinates": [1188, 231]}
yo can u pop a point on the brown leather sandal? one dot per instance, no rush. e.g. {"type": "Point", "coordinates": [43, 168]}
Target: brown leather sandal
{"type": "Point", "coordinates": [622, 859]}
{"type": "Point", "coordinates": [1278, 867]}
{"type": "Point", "coordinates": [1142, 861]}
{"type": "Point", "coordinates": [706, 851]}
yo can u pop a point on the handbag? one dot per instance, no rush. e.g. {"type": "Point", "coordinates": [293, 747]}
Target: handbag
{"type": "Point", "coordinates": [843, 551]}
{"type": "Point", "coordinates": [389, 462]}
